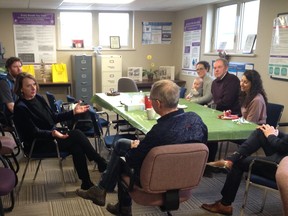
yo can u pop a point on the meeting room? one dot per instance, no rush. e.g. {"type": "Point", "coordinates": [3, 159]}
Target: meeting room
{"type": "Point", "coordinates": [137, 107]}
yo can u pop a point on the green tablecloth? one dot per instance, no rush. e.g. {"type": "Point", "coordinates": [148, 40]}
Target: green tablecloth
{"type": "Point", "coordinates": [218, 129]}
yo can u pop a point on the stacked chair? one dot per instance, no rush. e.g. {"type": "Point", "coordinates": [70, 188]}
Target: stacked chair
{"type": "Point", "coordinates": [7, 184]}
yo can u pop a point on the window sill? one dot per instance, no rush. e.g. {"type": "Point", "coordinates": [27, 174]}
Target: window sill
{"type": "Point", "coordinates": [232, 54]}
{"type": "Point", "coordinates": [104, 49]}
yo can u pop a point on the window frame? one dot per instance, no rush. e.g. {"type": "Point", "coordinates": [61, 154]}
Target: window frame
{"type": "Point", "coordinates": [95, 30]}
{"type": "Point", "coordinates": [238, 31]}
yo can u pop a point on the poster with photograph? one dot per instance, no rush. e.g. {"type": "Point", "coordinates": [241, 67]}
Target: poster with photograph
{"type": "Point", "coordinates": [156, 32]}
{"type": "Point", "coordinates": [191, 45]}
{"type": "Point", "coordinates": [135, 73]}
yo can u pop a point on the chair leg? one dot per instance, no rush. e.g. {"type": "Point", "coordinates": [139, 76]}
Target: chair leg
{"type": "Point", "coordinates": [9, 209]}
{"type": "Point", "coordinates": [1, 208]}
{"type": "Point", "coordinates": [169, 213]}
{"type": "Point", "coordinates": [23, 176]}
{"type": "Point", "coordinates": [245, 197]}
{"type": "Point", "coordinates": [62, 176]}
{"type": "Point", "coordinates": [37, 169]}
{"type": "Point", "coordinates": [264, 200]}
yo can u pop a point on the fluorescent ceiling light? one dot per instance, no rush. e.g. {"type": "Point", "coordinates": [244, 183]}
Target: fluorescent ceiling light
{"type": "Point", "coordinates": [100, 1]}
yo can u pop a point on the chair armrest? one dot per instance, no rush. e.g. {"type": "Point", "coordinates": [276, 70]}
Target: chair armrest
{"type": "Point", "coordinates": [270, 168]}
{"type": "Point", "coordinates": [283, 124]}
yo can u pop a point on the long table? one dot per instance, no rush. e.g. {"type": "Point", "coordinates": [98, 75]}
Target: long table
{"type": "Point", "coordinates": [218, 129]}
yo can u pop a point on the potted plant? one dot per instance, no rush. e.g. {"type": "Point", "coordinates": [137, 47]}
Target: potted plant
{"type": "Point", "coordinates": [151, 72]}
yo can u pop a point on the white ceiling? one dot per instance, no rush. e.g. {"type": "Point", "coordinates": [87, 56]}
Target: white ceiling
{"type": "Point", "coordinates": [137, 5]}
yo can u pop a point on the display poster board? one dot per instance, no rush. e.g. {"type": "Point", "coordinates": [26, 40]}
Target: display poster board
{"type": "Point", "coordinates": [167, 72]}
{"type": "Point", "coordinates": [35, 37]}
{"type": "Point", "coordinates": [156, 32]}
{"type": "Point", "coordinates": [191, 45]}
{"type": "Point", "coordinates": [278, 61]}
{"type": "Point", "coordinates": [236, 68]}
{"type": "Point", "coordinates": [135, 73]}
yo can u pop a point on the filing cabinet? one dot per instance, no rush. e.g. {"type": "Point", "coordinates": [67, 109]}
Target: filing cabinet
{"type": "Point", "coordinates": [108, 72]}
{"type": "Point", "coordinates": [82, 77]}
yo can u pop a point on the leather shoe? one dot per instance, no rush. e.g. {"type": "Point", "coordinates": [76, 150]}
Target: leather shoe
{"type": "Point", "coordinates": [218, 207]}
{"type": "Point", "coordinates": [117, 210]}
{"type": "Point", "coordinates": [222, 164]}
{"type": "Point", "coordinates": [95, 194]}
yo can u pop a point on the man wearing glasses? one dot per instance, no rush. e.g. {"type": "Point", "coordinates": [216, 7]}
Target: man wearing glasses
{"type": "Point", "coordinates": [173, 127]}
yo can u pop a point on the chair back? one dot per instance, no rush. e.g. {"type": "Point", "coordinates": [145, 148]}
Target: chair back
{"type": "Point", "coordinates": [126, 84]}
{"type": "Point", "coordinates": [54, 104]}
{"type": "Point", "coordinates": [274, 113]}
{"type": "Point", "coordinates": [70, 99]}
{"type": "Point", "coordinates": [170, 167]}
{"type": "Point", "coordinates": [182, 92]}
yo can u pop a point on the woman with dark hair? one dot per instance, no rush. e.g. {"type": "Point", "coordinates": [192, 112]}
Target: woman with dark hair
{"type": "Point", "coordinates": [34, 119]}
{"type": "Point", "coordinates": [253, 98]}
{"type": "Point", "coordinates": [202, 68]}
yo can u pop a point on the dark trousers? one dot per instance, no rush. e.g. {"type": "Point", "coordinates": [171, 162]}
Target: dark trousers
{"type": "Point", "coordinates": [213, 148]}
{"type": "Point", "coordinates": [114, 169]}
{"type": "Point", "coordinates": [79, 146]}
{"type": "Point", "coordinates": [252, 144]}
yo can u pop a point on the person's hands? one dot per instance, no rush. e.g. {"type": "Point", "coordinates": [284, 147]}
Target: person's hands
{"type": "Point", "coordinates": [268, 130]}
{"type": "Point", "coordinates": [59, 135]}
{"type": "Point", "coordinates": [80, 109]}
{"type": "Point", "coordinates": [134, 143]}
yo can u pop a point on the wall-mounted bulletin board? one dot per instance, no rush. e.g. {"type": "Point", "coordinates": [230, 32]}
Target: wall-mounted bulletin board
{"type": "Point", "coordinates": [278, 61]}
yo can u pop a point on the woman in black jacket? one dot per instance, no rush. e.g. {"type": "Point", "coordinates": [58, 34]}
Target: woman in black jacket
{"type": "Point", "coordinates": [34, 119]}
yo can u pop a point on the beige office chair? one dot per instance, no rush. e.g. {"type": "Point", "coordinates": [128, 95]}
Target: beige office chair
{"type": "Point", "coordinates": [168, 174]}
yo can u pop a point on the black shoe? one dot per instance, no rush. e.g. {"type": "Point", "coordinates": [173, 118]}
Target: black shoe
{"type": "Point", "coordinates": [95, 194]}
{"type": "Point", "coordinates": [115, 209]}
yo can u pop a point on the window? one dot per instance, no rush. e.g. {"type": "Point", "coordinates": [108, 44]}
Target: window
{"type": "Point", "coordinates": [114, 24]}
{"type": "Point", "coordinates": [75, 26]}
{"type": "Point", "coordinates": [233, 23]}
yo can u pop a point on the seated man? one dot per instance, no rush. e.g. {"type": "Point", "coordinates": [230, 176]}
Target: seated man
{"type": "Point", "coordinates": [13, 66]}
{"type": "Point", "coordinates": [275, 146]}
{"type": "Point", "coordinates": [173, 127]}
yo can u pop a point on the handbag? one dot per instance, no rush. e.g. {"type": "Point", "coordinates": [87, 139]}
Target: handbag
{"type": "Point", "coordinates": [59, 73]}
{"type": "Point", "coordinates": [29, 69]}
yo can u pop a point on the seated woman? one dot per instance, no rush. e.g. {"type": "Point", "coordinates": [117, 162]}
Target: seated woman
{"type": "Point", "coordinates": [202, 68]}
{"type": "Point", "coordinates": [253, 98]}
{"type": "Point", "coordinates": [253, 103]}
{"type": "Point", "coordinates": [34, 119]}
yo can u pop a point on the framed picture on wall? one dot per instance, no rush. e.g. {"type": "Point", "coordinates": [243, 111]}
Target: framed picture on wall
{"type": "Point", "coordinates": [249, 44]}
{"type": "Point", "coordinates": [114, 42]}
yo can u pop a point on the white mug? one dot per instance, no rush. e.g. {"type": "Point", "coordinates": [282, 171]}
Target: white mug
{"type": "Point", "coordinates": [150, 113]}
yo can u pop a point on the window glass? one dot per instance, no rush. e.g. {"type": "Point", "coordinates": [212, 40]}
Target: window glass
{"type": "Point", "coordinates": [234, 22]}
{"type": "Point", "coordinates": [75, 26]}
{"type": "Point", "coordinates": [226, 26]}
{"type": "Point", "coordinates": [250, 20]}
{"type": "Point", "coordinates": [113, 24]}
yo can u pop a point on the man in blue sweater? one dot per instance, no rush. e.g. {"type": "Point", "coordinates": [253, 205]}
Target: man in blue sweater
{"type": "Point", "coordinates": [175, 126]}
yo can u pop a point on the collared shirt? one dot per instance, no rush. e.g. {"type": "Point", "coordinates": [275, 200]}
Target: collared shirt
{"type": "Point", "coordinates": [174, 128]}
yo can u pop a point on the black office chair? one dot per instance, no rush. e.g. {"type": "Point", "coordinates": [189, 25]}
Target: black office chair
{"type": "Point", "coordinates": [264, 180]}
{"type": "Point", "coordinates": [30, 154]}
{"type": "Point", "coordinates": [107, 140]}
{"type": "Point", "coordinates": [274, 113]}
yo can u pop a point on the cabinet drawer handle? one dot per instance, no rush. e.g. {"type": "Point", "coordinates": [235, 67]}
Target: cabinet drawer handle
{"type": "Point", "coordinates": [83, 69]}
{"type": "Point", "coordinates": [83, 83]}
